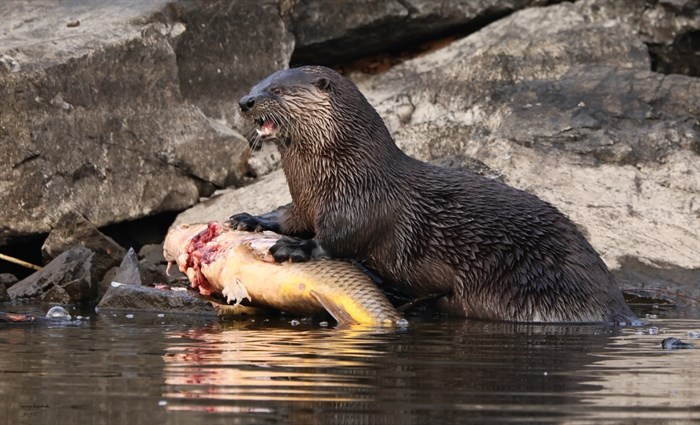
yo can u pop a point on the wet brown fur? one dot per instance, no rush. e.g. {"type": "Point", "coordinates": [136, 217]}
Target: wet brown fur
{"type": "Point", "coordinates": [500, 253]}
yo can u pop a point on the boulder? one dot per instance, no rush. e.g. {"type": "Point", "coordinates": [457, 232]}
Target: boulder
{"type": "Point", "coordinates": [263, 196]}
{"type": "Point", "coordinates": [4, 296]}
{"type": "Point", "coordinates": [670, 28]}
{"type": "Point", "coordinates": [351, 29]}
{"type": "Point", "coordinates": [153, 267]}
{"type": "Point", "coordinates": [128, 271]}
{"type": "Point", "coordinates": [142, 298]}
{"type": "Point", "coordinates": [97, 112]}
{"type": "Point", "coordinates": [226, 49]}
{"type": "Point", "coordinates": [74, 229]}
{"type": "Point", "coordinates": [564, 106]}
{"type": "Point", "coordinates": [68, 279]}
{"type": "Point", "coordinates": [132, 298]}
{"type": "Point", "coordinates": [7, 279]}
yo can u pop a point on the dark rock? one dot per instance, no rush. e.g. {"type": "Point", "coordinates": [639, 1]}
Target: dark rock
{"type": "Point", "coordinates": [142, 298]}
{"type": "Point", "coordinates": [350, 29]}
{"type": "Point", "coordinates": [69, 278]}
{"type": "Point", "coordinates": [7, 279]}
{"type": "Point", "coordinates": [74, 229]}
{"type": "Point", "coordinates": [153, 267]}
{"type": "Point", "coordinates": [128, 271]}
{"type": "Point", "coordinates": [679, 57]}
{"type": "Point", "coordinates": [113, 88]}
{"type": "Point", "coordinates": [659, 280]}
{"type": "Point", "coordinates": [673, 343]}
{"type": "Point", "coordinates": [4, 296]}
{"type": "Point", "coordinates": [106, 281]}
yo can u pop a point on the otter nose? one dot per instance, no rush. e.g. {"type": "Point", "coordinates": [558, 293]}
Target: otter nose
{"type": "Point", "coordinates": [246, 103]}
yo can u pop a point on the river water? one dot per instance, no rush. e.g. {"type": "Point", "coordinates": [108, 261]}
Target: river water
{"type": "Point", "coordinates": [111, 369]}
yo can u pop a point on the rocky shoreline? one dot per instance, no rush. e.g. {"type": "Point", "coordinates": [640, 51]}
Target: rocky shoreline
{"type": "Point", "coordinates": [115, 113]}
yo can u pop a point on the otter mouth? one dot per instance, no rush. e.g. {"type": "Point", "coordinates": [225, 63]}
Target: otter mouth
{"type": "Point", "coordinates": [266, 127]}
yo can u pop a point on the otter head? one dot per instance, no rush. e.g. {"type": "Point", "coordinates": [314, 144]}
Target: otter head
{"type": "Point", "coordinates": [293, 106]}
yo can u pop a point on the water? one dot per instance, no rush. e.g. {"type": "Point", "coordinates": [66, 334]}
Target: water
{"type": "Point", "coordinates": [149, 370]}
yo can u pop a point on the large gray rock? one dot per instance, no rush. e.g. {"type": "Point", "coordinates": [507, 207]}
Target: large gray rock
{"type": "Point", "coordinates": [564, 105]}
{"type": "Point", "coordinates": [350, 29]}
{"type": "Point", "coordinates": [69, 278]}
{"type": "Point", "coordinates": [228, 47]}
{"type": "Point", "coordinates": [263, 196]}
{"type": "Point", "coordinates": [93, 117]}
{"type": "Point", "coordinates": [671, 29]}
{"type": "Point", "coordinates": [74, 229]}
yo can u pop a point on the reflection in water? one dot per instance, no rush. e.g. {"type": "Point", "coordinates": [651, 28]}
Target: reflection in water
{"type": "Point", "coordinates": [635, 375]}
{"type": "Point", "coordinates": [362, 374]}
{"type": "Point", "coordinates": [234, 362]}
{"type": "Point", "coordinates": [113, 369]}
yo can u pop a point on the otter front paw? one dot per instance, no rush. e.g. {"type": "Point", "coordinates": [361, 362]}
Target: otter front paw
{"type": "Point", "coordinates": [250, 223]}
{"type": "Point", "coordinates": [296, 250]}
{"type": "Point", "coordinates": [245, 221]}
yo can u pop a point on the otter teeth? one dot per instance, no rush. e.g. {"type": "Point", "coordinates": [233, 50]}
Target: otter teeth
{"type": "Point", "coordinates": [267, 127]}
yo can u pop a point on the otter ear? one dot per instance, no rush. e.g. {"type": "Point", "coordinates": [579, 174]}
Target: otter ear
{"type": "Point", "coordinates": [324, 84]}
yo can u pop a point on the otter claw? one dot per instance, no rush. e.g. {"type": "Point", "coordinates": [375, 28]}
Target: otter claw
{"type": "Point", "coordinates": [294, 250]}
{"type": "Point", "coordinates": [247, 222]}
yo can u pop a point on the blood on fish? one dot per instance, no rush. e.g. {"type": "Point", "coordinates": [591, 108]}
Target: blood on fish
{"type": "Point", "coordinates": [199, 253]}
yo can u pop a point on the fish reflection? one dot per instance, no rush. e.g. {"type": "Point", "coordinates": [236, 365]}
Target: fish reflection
{"type": "Point", "coordinates": [242, 361]}
{"type": "Point", "coordinates": [347, 375]}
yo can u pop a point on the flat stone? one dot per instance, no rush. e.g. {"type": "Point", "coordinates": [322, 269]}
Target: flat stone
{"type": "Point", "coordinates": [142, 298]}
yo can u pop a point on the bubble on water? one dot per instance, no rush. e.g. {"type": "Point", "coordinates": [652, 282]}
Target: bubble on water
{"type": "Point", "coordinates": [694, 334]}
{"type": "Point", "coordinates": [653, 331]}
{"type": "Point", "coordinates": [402, 323]}
{"type": "Point", "coordinates": [652, 316]}
{"type": "Point", "coordinates": [58, 313]}
{"type": "Point", "coordinates": [162, 403]}
{"type": "Point", "coordinates": [129, 316]}
{"type": "Point", "coordinates": [161, 315]}
{"type": "Point", "coordinates": [324, 323]}
{"type": "Point", "coordinates": [294, 322]}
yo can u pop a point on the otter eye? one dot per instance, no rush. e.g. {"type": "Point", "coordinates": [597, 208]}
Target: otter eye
{"type": "Point", "coordinates": [276, 90]}
{"type": "Point", "coordinates": [324, 84]}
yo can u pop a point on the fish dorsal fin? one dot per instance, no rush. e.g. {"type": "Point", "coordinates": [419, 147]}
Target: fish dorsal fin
{"type": "Point", "coordinates": [336, 310]}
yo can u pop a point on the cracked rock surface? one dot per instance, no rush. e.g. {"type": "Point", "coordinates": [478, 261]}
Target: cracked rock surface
{"type": "Point", "coordinates": [97, 114]}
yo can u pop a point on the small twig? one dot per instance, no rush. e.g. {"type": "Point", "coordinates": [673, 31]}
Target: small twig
{"type": "Point", "coordinates": [661, 291]}
{"type": "Point", "coordinates": [19, 262]}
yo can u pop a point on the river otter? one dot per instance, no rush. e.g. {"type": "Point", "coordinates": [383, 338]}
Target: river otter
{"type": "Point", "coordinates": [497, 252]}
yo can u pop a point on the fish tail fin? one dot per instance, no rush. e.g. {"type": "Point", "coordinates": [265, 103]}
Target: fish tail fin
{"type": "Point", "coordinates": [339, 313]}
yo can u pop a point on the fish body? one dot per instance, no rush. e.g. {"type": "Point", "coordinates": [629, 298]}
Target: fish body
{"type": "Point", "coordinates": [237, 265]}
